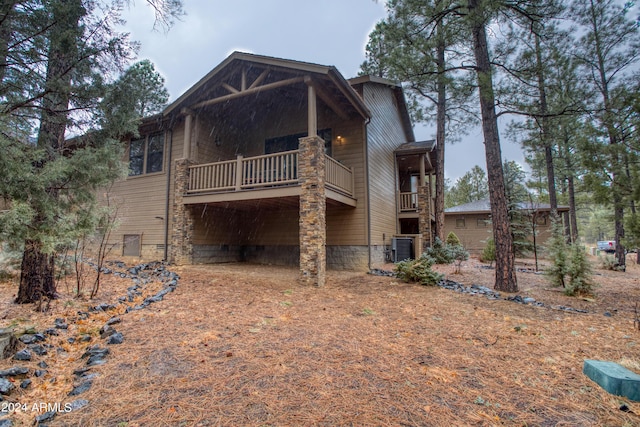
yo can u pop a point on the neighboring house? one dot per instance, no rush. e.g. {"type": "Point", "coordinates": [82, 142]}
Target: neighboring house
{"type": "Point", "coordinates": [471, 222]}
{"type": "Point", "coordinates": [276, 161]}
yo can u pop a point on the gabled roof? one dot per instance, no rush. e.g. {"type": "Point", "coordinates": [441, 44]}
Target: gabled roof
{"type": "Point", "coordinates": [484, 206]}
{"type": "Point", "coordinates": [329, 77]}
{"type": "Point", "coordinates": [401, 101]}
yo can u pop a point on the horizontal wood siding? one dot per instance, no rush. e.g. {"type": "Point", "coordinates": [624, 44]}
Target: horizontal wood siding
{"type": "Point", "coordinates": [347, 225]}
{"type": "Point", "coordinates": [385, 134]}
{"type": "Point", "coordinates": [474, 235]}
{"type": "Point", "coordinates": [140, 202]}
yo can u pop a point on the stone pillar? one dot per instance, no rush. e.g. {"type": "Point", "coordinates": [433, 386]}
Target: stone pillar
{"type": "Point", "coordinates": [424, 215]}
{"type": "Point", "coordinates": [313, 228]}
{"type": "Point", "coordinates": [182, 230]}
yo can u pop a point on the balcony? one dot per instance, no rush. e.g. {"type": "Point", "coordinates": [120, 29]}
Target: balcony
{"type": "Point", "coordinates": [267, 176]}
{"type": "Point", "coordinates": [408, 205]}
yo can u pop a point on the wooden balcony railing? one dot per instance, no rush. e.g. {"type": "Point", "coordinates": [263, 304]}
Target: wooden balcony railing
{"type": "Point", "coordinates": [408, 202]}
{"type": "Point", "coordinates": [270, 170]}
{"type": "Point", "coordinates": [338, 176]}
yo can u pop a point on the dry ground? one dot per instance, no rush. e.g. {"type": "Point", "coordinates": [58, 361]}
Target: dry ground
{"type": "Point", "coordinates": [244, 345]}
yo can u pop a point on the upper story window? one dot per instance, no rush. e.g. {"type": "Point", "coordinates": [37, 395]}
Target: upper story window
{"type": "Point", "coordinates": [146, 154]}
{"type": "Point", "coordinates": [290, 142]}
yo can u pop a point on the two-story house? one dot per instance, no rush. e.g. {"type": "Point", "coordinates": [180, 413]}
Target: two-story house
{"type": "Point", "coordinates": [277, 161]}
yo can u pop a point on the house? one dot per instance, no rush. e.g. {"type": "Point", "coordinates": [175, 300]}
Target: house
{"type": "Point", "coordinates": [471, 222]}
{"type": "Point", "coordinates": [276, 161]}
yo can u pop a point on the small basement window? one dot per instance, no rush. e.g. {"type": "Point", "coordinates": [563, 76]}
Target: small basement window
{"type": "Point", "coordinates": [131, 245]}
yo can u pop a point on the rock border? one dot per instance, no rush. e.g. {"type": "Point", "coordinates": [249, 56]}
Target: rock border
{"type": "Point", "coordinates": [490, 294]}
{"type": "Point", "coordinates": [141, 275]}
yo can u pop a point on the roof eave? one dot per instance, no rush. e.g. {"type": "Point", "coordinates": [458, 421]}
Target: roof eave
{"type": "Point", "coordinates": [329, 71]}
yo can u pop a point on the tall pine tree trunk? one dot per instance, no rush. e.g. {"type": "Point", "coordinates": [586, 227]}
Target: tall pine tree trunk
{"type": "Point", "coordinates": [505, 258]}
{"type": "Point", "coordinates": [545, 131]}
{"type": "Point", "coordinates": [37, 275]}
{"type": "Point", "coordinates": [565, 154]}
{"type": "Point", "coordinates": [37, 278]}
{"type": "Point", "coordinates": [440, 133]}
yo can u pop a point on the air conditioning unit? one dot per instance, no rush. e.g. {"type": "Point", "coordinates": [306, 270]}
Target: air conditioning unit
{"type": "Point", "coordinates": [402, 248]}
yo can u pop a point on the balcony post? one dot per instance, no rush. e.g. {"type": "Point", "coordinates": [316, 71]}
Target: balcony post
{"type": "Point", "coordinates": [182, 230]}
{"type": "Point", "coordinates": [312, 220]}
{"type": "Point", "coordinates": [312, 114]}
{"type": "Point", "coordinates": [188, 125]}
{"type": "Point", "coordinates": [239, 172]}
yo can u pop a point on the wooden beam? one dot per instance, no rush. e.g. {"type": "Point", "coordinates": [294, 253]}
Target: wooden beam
{"type": "Point", "coordinates": [260, 78]}
{"type": "Point", "coordinates": [229, 88]}
{"type": "Point", "coordinates": [326, 98]}
{"type": "Point", "coordinates": [274, 85]}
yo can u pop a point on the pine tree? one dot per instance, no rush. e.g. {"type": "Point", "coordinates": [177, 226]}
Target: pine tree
{"type": "Point", "coordinates": [608, 51]}
{"type": "Point", "coordinates": [416, 44]}
{"type": "Point", "coordinates": [53, 180]}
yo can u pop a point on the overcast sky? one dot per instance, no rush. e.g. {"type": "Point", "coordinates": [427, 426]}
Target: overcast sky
{"type": "Point", "coordinates": [326, 32]}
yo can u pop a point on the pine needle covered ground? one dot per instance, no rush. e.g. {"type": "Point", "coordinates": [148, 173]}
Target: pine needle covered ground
{"type": "Point", "coordinates": [244, 345]}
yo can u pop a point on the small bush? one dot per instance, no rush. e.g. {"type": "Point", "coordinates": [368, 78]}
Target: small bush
{"type": "Point", "coordinates": [440, 252]}
{"type": "Point", "coordinates": [489, 252]}
{"type": "Point", "coordinates": [418, 270]}
{"type": "Point", "coordinates": [559, 268]}
{"type": "Point", "coordinates": [579, 272]}
{"type": "Point", "coordinates": [452, 239]}
{"type": "Point", "coordinates": [608, 262]}
{"type": "Point", "coordinates": [569, 268]}
{"type": "Point", "coordinates": [460, 254]}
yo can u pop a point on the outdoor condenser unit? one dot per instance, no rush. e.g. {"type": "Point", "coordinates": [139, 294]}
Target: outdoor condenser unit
{"type": "Point", "coordinates": [401, 248]}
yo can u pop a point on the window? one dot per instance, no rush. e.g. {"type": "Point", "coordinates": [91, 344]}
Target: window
{"type": "Point", "coordinates": [290, 142]}
{"type": "Point", "coordinates": [146, 155]}
{"type": "Point", "coordinates": [482, 223]}
{"type": "Point", "coordinates": [460, 223]}
{"type": "Point", "coordinates": [541, 219]}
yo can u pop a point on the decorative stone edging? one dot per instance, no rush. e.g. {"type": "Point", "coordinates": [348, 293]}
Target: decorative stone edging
{"type": "Point", "coordinates": [141, 275]}
{"type": "Point", "coordinates": [489, 293]}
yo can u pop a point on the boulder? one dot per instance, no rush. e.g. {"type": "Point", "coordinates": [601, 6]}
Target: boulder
{"type": "Point", "coordinates": [14, 371]}
{"type": "Point", "coordinates": [85, 386]}
{"type": "Point", "coordinates": [22, 355]}
{"type": "Point", "coordinates": [6, 386]}
{"type": "Point", "coordinates": [116, 338]}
